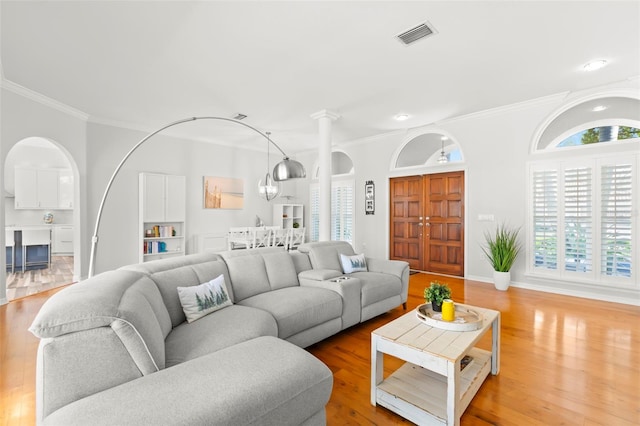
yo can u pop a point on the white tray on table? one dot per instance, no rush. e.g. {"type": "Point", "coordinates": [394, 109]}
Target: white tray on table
{"type": "Point", "coordinates": [466, 319]}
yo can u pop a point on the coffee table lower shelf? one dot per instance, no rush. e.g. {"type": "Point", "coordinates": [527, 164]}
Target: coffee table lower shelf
{"type": "Point", "coordinates": [420, 395]}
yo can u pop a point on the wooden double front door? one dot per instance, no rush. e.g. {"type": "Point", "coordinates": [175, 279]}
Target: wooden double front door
{"type": "Point", "coordinates": [427, 222]}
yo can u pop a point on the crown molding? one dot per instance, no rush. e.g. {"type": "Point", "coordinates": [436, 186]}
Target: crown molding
{"type": "Point", "coordinates": [42, 99]}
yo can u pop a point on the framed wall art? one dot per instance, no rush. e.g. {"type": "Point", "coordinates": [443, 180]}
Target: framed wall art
{"type": "Point", "coordinates": [369, 197]}
{"type": "Point", "coordinates": [223, 193]}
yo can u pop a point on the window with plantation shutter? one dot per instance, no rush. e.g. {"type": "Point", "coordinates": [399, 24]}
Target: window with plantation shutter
{"type": "Point", "coordinates": [342, 200]}
{"type": "Point", "coordinates": [578, 229]}
{"type": "Point", "coordinates": [545, 219]}
{"type": "Point", "coordinates": [616, 223]}
{"type": "Point", "coordinates": [584, 224]}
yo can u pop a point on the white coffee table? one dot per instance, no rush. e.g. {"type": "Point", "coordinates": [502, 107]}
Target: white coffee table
{"type": "Point", "coordinates": [430, 389]}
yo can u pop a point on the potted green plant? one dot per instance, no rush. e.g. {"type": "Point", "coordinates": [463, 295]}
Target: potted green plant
{"type": "Point", "coordinates": [436, 293]}
{"type": "Point", "coordinates": [502, 250]}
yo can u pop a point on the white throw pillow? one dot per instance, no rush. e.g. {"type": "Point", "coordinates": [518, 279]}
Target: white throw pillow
{"type": "Point", "coordinates": [200, 300]}
{"type": "Point", "coordinates": [355, 263]}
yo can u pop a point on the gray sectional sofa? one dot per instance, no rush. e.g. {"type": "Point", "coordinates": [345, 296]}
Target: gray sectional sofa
{"type": "Point", "coordinates": [117, 349]}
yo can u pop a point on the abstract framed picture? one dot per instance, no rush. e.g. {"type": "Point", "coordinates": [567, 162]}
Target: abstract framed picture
{"type": "Point", "coordinates": [223, 193]}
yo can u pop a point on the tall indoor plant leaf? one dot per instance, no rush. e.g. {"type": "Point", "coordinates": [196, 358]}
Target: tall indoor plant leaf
{"type": "Point", "coordinates": [502, 248]}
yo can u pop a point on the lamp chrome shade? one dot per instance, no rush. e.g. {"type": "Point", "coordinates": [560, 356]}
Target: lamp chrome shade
{"type": "Point", "coordinates": [288, 169]}
{"type": "Point", "coordinates": [268, 189]}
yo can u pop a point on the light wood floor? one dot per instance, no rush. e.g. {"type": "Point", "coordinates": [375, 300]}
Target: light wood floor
{"type": "Point", "coordinates": [21, 284]}
{"type": "Point", "coordinates": [565, 361]}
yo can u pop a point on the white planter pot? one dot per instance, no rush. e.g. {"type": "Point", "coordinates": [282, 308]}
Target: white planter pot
{"type": "Point", "coordinates": [501, 280]}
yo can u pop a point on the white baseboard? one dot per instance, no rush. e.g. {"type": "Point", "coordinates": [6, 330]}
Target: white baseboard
{"type": "Point", "coordinates": [608, 293]}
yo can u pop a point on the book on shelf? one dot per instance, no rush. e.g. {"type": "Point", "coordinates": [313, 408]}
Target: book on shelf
{"type": "Point", "coordinates": [161, 231]}
{"type": "Point", "coordinates": [151, 247]}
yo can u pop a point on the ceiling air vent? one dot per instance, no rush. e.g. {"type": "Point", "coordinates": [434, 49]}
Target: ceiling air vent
{"type": "Point", "coordinates": [417, 33]}
{"type": "Point", "coordinates": [239, 116]}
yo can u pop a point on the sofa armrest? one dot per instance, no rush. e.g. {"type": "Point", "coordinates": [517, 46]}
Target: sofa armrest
{"type": "Point", "coordinates": [398, 268]}
{"type": "Point", "coordinates": [348, 288]}
{"type": "Point", "coordinates": [319, 274]}
{"type": "Point", "coordinates": [238, 385]}
{"type": "Point", "coordinates": [393, 267]}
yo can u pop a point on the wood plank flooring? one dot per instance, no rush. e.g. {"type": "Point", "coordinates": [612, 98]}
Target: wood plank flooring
{"type": "Point", "coordinates": [30, 282]}
{"type": "Point", "coordinates": [565, 361]}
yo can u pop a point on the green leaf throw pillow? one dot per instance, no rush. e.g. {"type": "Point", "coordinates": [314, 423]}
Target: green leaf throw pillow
{"type": "Point", "coordinates": [355, 263]}
{"type": "Point", "coordinates": [200, 300]}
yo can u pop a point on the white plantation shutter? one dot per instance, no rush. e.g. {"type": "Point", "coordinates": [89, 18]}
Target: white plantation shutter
{"type": "Point", "coordinates": [583, 224]}
{"type": "Point", "coordinates": [616, 221]}
{"type": "Point", "coordinates": [578, 221]}
{"type": "Point", "coordinates": [545, 219]}
{"type": "Point", "coordinates": [342, 201]}
{"type": "Point", "coordinates": [314, 228]}
{"type": "Point", "coordinates": [342, 211]}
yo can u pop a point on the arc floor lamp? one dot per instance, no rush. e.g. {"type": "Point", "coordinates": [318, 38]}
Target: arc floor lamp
{"type": "Point", "coordinates": [284, 170]}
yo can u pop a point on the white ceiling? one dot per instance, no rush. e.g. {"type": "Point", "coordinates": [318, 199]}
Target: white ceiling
{"type": "Point", "coordinates": [145, 64]}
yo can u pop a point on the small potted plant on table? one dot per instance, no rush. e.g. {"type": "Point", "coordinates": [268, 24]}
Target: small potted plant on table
{"type": "Point", "coordinates": [436, 293]}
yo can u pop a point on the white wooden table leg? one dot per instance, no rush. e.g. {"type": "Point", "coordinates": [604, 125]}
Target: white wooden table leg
{"type": "Point", "coordinates": [377, 368]}
{"type": "Point", "coordinates": [495, 348]}
{"type": "Point", "coordinates": [453, 393]}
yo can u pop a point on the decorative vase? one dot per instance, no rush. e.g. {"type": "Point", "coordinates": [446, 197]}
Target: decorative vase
{"type": "Point", "coordinates": [436, 307]}
{"type": "Point", "coordinates": [501, 280]}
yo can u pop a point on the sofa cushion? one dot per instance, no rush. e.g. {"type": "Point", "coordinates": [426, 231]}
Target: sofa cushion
{"type": "Point", "coordinates": [355, 263]}
{"type": "Point", "coordinates": [201, 300]}
{"type": "Point", "coordinates": [296, 309]}
{"type": "Point", "coordinates": [326, 254]}
{"type": "Point", "coordinates": [220, 329]}
{"type": "Point", "coordinates": [377, 286]}
{"type": "Point", "coordinates": [280, 270]}
{"type": "Point", "coordinates": [183, 271]}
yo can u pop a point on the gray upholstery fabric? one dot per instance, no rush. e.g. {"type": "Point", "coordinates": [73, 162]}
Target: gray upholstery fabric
{"type": "Point", "coordinates": [127, 301]}
{"type": "Point", "coordinates": [315, 334]}
{"type": "Point", "coordinates": [296, 309]}
{"type": "Point", "coordinates": [248, 273]}
{"type": "Point", "coordinates": [280, 270]}
{"type": "Point", "coordinates": [76, 365]}
{"type": "Point", "coordinates": [320, 274]}
{"type": "Point", "coordinates": [377, 286]}
{"type": "Point", "coordinates": [349, 290]}
{"type": "Point", "coordinates": [184, 271]}
{"type": "Point", "coordinates": [376, 308]}
{"type": "Point", "coordinates": [301, 261]}
{"type": "Point", "coordinates": [326, 254]}
{"type": "Point", "coordinates": [281, 385]}
{"type": "Point", "coordinates": [218, 330]}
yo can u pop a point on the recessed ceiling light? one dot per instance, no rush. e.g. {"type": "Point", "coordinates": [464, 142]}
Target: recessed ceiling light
{"type": "Point", "coordinates": [402, 117]}
{"type": "Point", "coordinates": [444, 138]}
{"type": "Point", "coordinates": [598, 108]}
{"type": "Point", "coordinates": [595, 65]}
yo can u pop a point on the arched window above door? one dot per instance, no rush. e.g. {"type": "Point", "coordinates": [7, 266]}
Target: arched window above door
{"type": "Point", "coordinates": [341, 164]}
{"type": "Point", "coordinates": [428, 149]}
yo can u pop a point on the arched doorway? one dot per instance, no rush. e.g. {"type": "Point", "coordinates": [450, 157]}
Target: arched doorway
{"type": "Point", "coordinates": [40, 181]}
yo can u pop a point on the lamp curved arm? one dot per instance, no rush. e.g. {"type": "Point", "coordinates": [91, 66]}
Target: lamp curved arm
{"type": "Point", "coordinates": [94, 238]}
